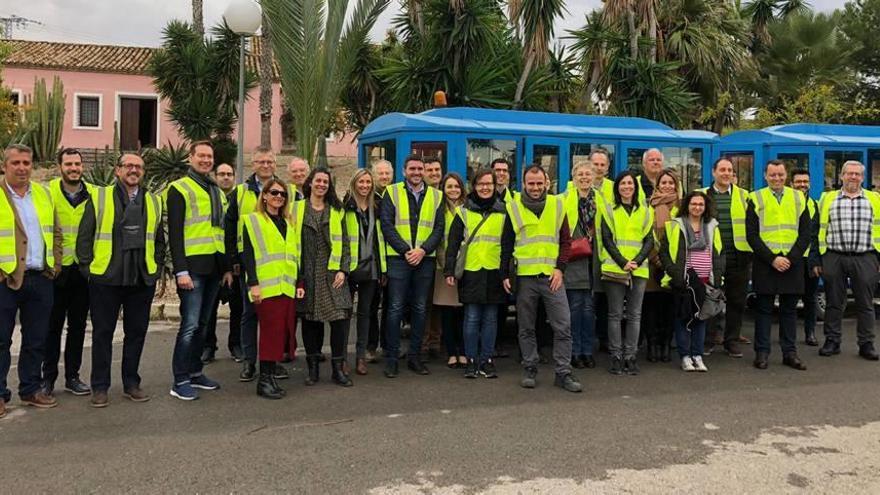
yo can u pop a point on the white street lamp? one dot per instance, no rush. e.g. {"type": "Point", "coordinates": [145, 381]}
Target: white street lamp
{"type": "Point", "coordinates": [244, 18]}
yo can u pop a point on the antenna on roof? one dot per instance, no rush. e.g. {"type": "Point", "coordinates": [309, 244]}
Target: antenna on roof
{"type": "Point", "coordinates": [14, 21]}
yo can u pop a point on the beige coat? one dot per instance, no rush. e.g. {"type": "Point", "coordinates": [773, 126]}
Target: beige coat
{"type": "Point", "coordinates": [14, 280]}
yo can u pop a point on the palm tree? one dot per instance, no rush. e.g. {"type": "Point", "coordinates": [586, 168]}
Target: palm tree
{"type": "Point", "coordinates": [537, 18]}
{"type": "Point", "coordinates": [595, 44]}
{"type": "Point", "coordinates": [198, 17]}
{"type": "Point", "coordinates": [316, 50]}
{"type": "Point", "coordinates": [267, 74]}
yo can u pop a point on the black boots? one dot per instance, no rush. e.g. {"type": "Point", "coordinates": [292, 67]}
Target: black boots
{"type": "Point", "coordinates": [267, 386]}
{"type": "Point", "coordinates": [340, 377]}
{"type": "Point", "coordinates": [312, 362]}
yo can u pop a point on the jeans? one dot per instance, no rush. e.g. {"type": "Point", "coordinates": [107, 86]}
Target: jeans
{"type": "Point", "coordinates": [452, 320]}
{"type": "Point", "coordinates": [195, 309]}
{"type": "Point", "coordinates": [690, 337]}
{"type": "Point", "coordinates": [71, 303]}
{"type": "Point", "coordinates": [407, 285]}
{"type": "Point", "coordinates": [787, 322]}
{"type": "Point", "coordinates": [366, 317]}
{"type": "Point", "coordinates": [232, 295]}
{"type": "Point", "coordinates": [248, 324]}
{"type": "Point", "coordinates": [106, 300]}
{"type": "Point", "coordinates": [33, 303]}
{"type": "Point", "coordinates": [583, 321]}
{"type": "Point", "coordinates": [480, 327]}
{"type": "Point", "coordinates": [618, 346]}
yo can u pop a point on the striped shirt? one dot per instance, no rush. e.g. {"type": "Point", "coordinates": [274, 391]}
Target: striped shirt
{"type": "Point", "coordinates": [700, 261]}
{"type": "Point", "coordinates": [849, 224]}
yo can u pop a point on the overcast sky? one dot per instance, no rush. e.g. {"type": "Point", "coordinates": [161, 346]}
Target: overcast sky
{"type": "Point", "coordinates": [140, 22]}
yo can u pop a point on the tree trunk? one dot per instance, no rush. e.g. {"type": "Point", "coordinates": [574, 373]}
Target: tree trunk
{"type": "Point", "coordinates": [633, 33]}
{"type": "Point", "coordinates": [198, 17]}
{"type": "Point", "coordinates": [593, 86]}
{"type": "Point", "coordinates": [266, 78]}
{"type": "Point", "coordinates": [652, 30]}
{"type": "Point", "coordinates": [521, 85]}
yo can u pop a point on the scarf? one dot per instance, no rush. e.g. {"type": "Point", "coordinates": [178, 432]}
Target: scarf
{"type": "Point", "coordinates": [214, 191]}
{"type": "Point", "coordinates": [662, 203]}
{"type": "Point", "coordinates": [536, 206]}
{"type": "Point", "coordinates": [476, 203]}
{"type": "Point", "coordinates": [693, 243]}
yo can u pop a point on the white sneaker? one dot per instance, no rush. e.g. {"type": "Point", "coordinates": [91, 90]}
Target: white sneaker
{"type": "Point", "coordinates": [699, 365]}
{"type": "Point", "coordinates": [687, 364]}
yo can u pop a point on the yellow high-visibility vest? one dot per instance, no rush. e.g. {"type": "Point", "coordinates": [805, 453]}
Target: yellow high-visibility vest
{"type": "Point", "coordinates": [825, 202]}
{"type": "Point", "coordinates": [484, 251]}
{"type": "Point", "coordinates": [537, 239]}
{"type": "Point", "coordinates": [199, 236]}
{"type": "Point", "coordinates": [739, 198]}
{"type": "Point", "coordinates": [629, 231]}
{"type": "Point", "coordinates": [778, 221]}
{"type": "Point", "coordinates": [674, 228]}
{"type": "Point", "coordinates": [353, 228]}
{"type": "Point", "coordinates": [45, 209]}
{"type": "Point", "coordinates": [246, 199]}
{"type": "Point", "coordinates": [277, 258]}
{"type": "Point", "coordinates": [105, 217]}
{"type": "Point", "coordinates": [427, 214]}
{"type": "Point", "coordinates": [338, 222]}
{"type": "Point", "coordinates": [68, 217]}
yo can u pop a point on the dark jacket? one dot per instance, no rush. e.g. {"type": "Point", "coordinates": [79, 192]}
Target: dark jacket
{"type": "Point", "coordinates": [765, 278]}
{"type": "Point", "coordinates": [363, 221]}
{"type": "Point", "coordinates": [116, 270]}
{"type": "Point", "coordinates": [813, 259]}
{"type": "Point", "coordinates": [675, 269]}
{"type": "Point", "coordinates": [202, 264]}
{"type": "Point", "coordinates": [483, 286]}
{"type": "Point", "coordinates": [399, 247]}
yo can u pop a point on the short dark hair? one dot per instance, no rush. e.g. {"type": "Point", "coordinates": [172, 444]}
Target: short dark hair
{"type": "Point", "coordinates": [479, 174]}
{"type": "Point", "coordinates": [499, 160]}
{"type": "Point", "coordinates": [432, 159]}
{"type": "Point", "coordinates": [68, 151]}
{"type": "Point", "coordinates": [708, 213]}
{"type": "Point", "coordinates": [722, 159]}
{"type": "Point", "coordinates": [601, 151]}
{"type": "Point", "coordinates": [774, 163]}
{"type": "Point", "coordinates": [412, 158]}
{"type": "Point", "coordinates": [330, 198]}
{"type": "Point", "coordinates": [196, 144]}
{"type": "Point", "coordinates": [125, 154]}
{"type": "Point", "coordinates": [532, 168]}
{"type": "Point", "coordinates": [617, 200]}
{"type": "Point", "coordinates": [800, 171]}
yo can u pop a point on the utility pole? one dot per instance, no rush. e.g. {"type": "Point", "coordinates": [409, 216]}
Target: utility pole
{"type": "Point", "coordinates": [14, 21]}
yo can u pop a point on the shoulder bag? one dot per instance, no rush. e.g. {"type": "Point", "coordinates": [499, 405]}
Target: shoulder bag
{"type": "Point", "coordinates": [461, 258]}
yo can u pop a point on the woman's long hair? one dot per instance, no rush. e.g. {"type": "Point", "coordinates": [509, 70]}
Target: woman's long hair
{"type": "Point", "coordinates": [350, 196]}
{"type": "Point", "coordinates": [284, 211]}
{"type": "Point", "coordinates": [330, 198]}
{"type": "Point", "coordinates": [708, 212]}
{"type": "Point", "coordinates": [457, 178]}
{"type": "Point", "coordinates": [617, 200]}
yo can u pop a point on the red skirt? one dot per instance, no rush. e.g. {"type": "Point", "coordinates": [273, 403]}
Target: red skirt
{"type": "Point", "coordinates": [277, 317]}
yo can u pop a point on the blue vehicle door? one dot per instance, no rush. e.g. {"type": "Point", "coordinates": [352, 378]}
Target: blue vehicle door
{"type": "Point", "coordinates": [550, 153]}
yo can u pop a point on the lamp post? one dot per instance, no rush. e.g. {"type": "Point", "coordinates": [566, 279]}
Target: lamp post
{"type": "Point", "coordinates": [244, 18]}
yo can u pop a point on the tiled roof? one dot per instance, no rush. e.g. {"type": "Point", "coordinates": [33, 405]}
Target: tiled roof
{"type": "Point", "coordinates": [81, 57]}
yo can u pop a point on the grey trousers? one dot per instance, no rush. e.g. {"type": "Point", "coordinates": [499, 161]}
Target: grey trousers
{"type": "Point", "coordinates": [862, 271]}
{"type": "Point", "coordinates": [617, 295]}
{"type": "Point", "coordinates": [529, 291]}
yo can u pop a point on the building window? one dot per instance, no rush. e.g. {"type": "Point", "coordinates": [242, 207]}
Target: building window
{"type": "Point", "coordinates": [15, 97]}
{"type": "Point", "coordinates": [88, 112]}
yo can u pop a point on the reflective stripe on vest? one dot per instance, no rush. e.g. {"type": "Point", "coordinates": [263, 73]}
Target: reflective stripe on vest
{"type": "Point", "coordinates": [738, 201]}
{"type": "Point", "coordinates": [427, 214]}
{"type": "Point", "coordinates": [337, 225]}
{"type": "Point", "coordinates": [45, 209]}
{"type": "Point", "coordinates": [199, 236]}
{"type": "Point", "coordinates": [629, 231]}
{"type": "Point", "coordinates": [674, 228]}
{"type": "Point", "coordinates": [537, 239]}
{"type": "Point", "coordinates": [825, 202]}
{"type": "Point", "coordinates": [484, 251]}
{"type": "Point", "coordinates": [778, 221]}
{"type": "Point", "coordinates": [276, 257]}
{"type": "Point", "coordinates": [105, 218]}
{"type": "Point", "coordinates": [69, 218]}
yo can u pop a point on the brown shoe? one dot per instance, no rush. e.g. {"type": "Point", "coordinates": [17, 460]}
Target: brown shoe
{"type": "Point", "coordinates": [2, 408]}
{"type": "Point", "coordinates": [733, 349]}
{"type": "Point", "coordinates": [136, 394]}
{"type": "Point", "coordinates": [742, 339]}
{"type": "Point", "coordinates": [361, 367]}
{"type": "Point", "coordinates": [100, 399]}
{"type": "Point", "coordinates": [40, 400]}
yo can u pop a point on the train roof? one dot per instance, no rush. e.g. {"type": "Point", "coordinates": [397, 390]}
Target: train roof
{"type": "Point", "coordinates": [808, 134]}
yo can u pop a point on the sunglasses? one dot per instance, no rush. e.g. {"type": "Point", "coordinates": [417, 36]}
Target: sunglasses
{"type": "Point", "coordinates": [276, 193]}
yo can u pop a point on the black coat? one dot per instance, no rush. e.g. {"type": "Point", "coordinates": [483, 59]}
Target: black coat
{"type": "Point", "coordinates": [480, 287]}
{"type": "Point", "coordinates": [765, 279]}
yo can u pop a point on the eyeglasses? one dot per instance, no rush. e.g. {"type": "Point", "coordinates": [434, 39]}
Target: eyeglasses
{"type": "Point", "coordinates": [276, 193]}
{"type": "Point", "coordinates": [485, 184]}
{"type": "Point", "coordinates": [264, 162]}
{"type": "Point", "coordinates": [132, 166]}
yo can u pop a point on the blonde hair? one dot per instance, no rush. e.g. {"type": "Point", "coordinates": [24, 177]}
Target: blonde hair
{"type": "Point", "coordinates": [353, 182]}
{"type": "Point", "coordinates": [581, 163]}
{"type": "Point", "coordinates": [284, 210]}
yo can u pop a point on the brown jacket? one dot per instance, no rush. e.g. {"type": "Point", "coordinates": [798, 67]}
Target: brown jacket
{"type": "Point", "coordinates": [15, 279]}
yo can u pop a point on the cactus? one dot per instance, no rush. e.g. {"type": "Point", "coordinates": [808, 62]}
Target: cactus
{"type": "Point", "coordinates": [43, 120]}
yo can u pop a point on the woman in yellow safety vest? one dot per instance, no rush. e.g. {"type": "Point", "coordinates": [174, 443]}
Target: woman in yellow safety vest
{"type": "Point", "coordinates": [627, 239]}
{"type": "Point", "coordinates": [270, 258]}
{"type": "Point", "coordinates": [326, 263]}
{"type": "Point", "coordinates": [691, 254]}
{"type": "Point", "coordinates": [445, 296]}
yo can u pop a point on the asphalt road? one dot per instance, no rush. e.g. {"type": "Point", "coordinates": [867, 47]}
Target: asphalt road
{"type": "Point", "coordinates": [734, 429]}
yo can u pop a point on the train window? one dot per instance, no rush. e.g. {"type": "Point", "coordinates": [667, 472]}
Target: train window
{"type": "Point", "coordinates": [874, 168]}
{"type": "Point", "coordinates": [834, 160]}
{"type": "Point", "coordinates": [688, 162]}
{"type": "Point", "coordinates": [793, 161]}
{"type": "Point", "coordinates": [382, 150]}
{"type": "Point", "coordinates": [744, 167]}
{"type": "Point", "coordinates": [581, 151]}
{"type": "Point", "coordinates": [547, 156]}
{"type": "Point", "coordinates": [481, 152]}
{"type": "Point", "coordinates": [427, 150]}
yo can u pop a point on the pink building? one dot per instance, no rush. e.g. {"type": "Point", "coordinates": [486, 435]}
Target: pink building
{"type": "Point", "coordinates": [108, 86]}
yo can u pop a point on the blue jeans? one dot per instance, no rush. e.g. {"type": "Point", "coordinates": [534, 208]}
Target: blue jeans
{"type": "Point", "coordinates": [195, 309]}
{"type": "Point", "coordinates": [33, 304]}
{"type": "Point", "coordinates": [480, 327]}
{"type": "Point", "coordinates": [248, 324]}
{"type": "Point", "coordinates": [583, 321]}
{"type": "Point", "coordinates": [689, 338]}
{"type": "Point", "coordinates": [407, 285]}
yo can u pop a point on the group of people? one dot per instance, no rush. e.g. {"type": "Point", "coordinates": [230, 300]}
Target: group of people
{"type": "Point", "coordinates": [631, 262]}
